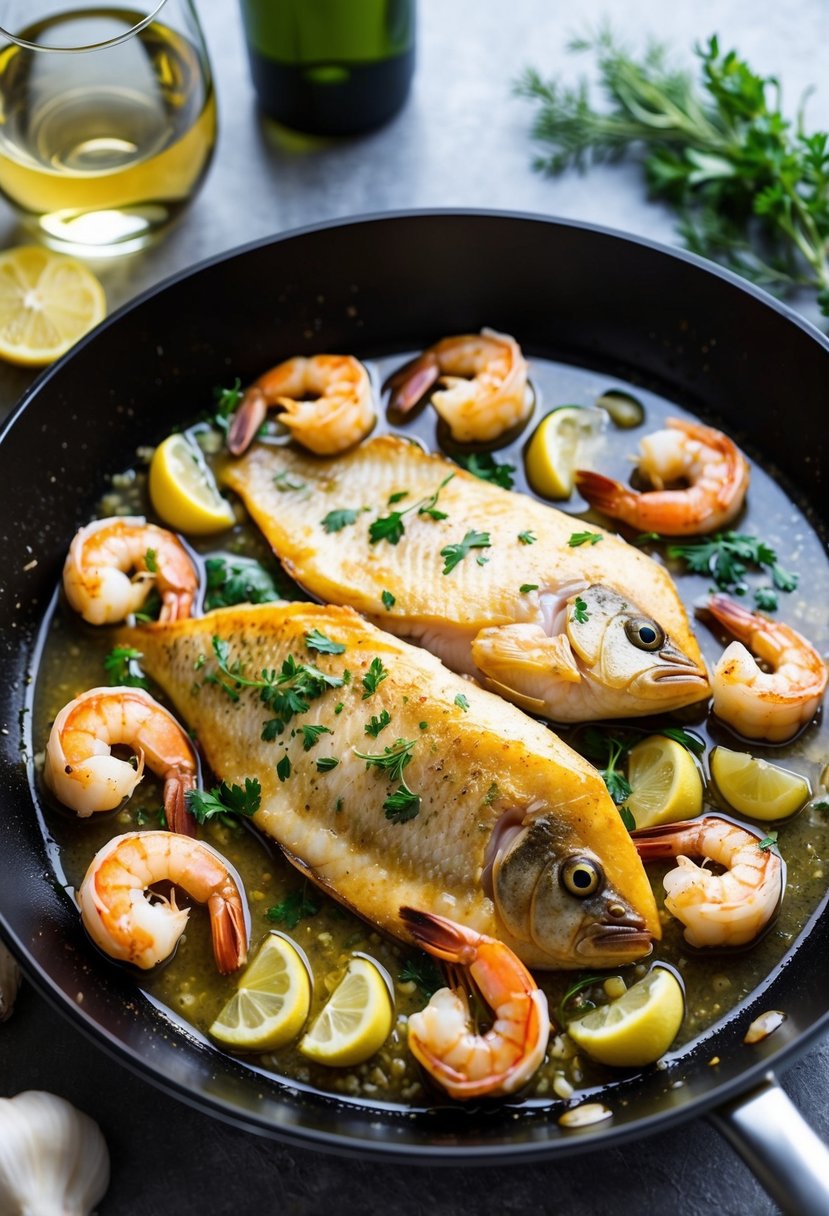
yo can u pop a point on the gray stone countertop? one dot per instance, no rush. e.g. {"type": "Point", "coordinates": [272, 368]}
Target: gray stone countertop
{"type": "Point", "coordinates": [462, 141]}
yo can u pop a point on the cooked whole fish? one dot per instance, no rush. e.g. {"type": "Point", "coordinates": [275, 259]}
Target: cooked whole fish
{"type": "Point", "coordinates": [465, 806]}
{"type": "Point", "coordinates": [483, 577]}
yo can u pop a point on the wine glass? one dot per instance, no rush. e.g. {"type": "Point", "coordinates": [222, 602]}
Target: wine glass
{"type": "Point", "coordinates": [107, 120]}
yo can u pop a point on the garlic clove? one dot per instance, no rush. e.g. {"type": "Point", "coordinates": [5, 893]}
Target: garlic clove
{"type": "Point", "coordinates": [53, 1158]}
{"type": "Point", "coordinates": [9, 982]}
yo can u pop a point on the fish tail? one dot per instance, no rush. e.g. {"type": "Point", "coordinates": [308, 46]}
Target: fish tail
{"type": "Point", "coordinates": [601, 492]}
{"type": "Point", "coordinates": [441, 937]}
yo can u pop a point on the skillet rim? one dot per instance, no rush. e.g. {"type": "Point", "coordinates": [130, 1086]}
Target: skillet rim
{"type": "Point", "coordinates": [424, 1150]}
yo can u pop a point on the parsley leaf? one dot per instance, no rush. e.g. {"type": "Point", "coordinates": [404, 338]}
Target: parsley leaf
{"type": "Point", "coordinates": [326, 763]}
{"type": "Point", "coordinates": [398, 496]}
{"type": "Point", "coordinates": [627, 818]}
{"type": "Point", "coordinates": [311, 734]}
{"type": "Point", "coordinates": [765, 598]}
{"type": "Point", "coordinates": [483, 465]}
{"type": "Point", "coordinates": [526, 588]}
{"type": "Point", "coordinates": [283, 768]}
{"type": "Point", "coordinates": [402, 805]}
{"type": "Point", "coordinates": [340, 518]}
{"type": "Point", "coordinates": [768, 842]}
{"type": "Point", "coordinates": [225, 799]}
{"type": "Point", "coordinates": [391, 760]}
{"type": "Point", "coordinates": [422, 970]}
{"type": "Point", "coordinates": [315, 640]}
{"type": "Point", "coordinates": [227, 399]}
{"type": "Point", "coordinates": [391, 527]}
{"type": "Point", "coordinates": [726, 557]}
{"type": "Point", "coordinates": [373, 678]}
{"type": "Point", "coordinates": [283, 481]}
{"type": "Point", "coordinates": [454, 554]}
{"type": "Point", "coordinates": [285, 694]}
{"type": "Point", "coordinates": [376, 724]}
{"type": "Point", "coordinates": [461, 702]}
{"type": "Point", "coordinates": [527, 538]}
{"type": "Point", "coordinates": [121, 666]}
{"type": "Point", "coordinates": [580, 613]}
{"type": "Point", "coordinates": [604, 748]}
{"type": "Point", "coordinates": [237, 580]}
{"type": "Point", "coordinates": [685, 737]}
{"type": "Point", "coordinates": [388, 600]}
{"type": "Point", "coordinates": [584, 538]}
{"type": "Point", "coordinates": [294, 908]}
{"type": "Point", "coordinates": [151, 561]}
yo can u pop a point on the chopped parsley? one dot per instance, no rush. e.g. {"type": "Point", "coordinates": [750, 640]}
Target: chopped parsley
{"type": "Point", "coordinates": [391, 760]}
{"type": "Point", "coordinates": [726, 557]}
{"type": "Point", "coordinates": [388, 600]}
{"type": "Point", "coordinates": [609, 750]}
{"type": "Point", "coordinates": [580, 613]}
{"type": "Point", "coordinates": [461, 702]}
{"type": "Point", "coordinates": [377, 724]}
{"type": "Point", "coordinates": [340, 518]}
{"type": "Point", "coordinates": [225, 800]}
{"type": "Point", "coordinates": [584, 538]}
{"type": "Point", "coordinates": [283, 768]}
{"type": "Point", "coordinates": [227, 400]}
{"type": "Point", "coordinates": [121, 666]}
{"type": "Point", "coordinates": [285, 694]}
{"type": "Point", "coordinates": [402, 805]}
{"type": "Point", "coordinates": [315, 640]}
{"type": "Point", "coordinates": [295, 907]}
{"type": "Point", "coordinates": [768, 842]}
{"type": "Point", "coordinates": [311, 735]}
{"type": "Point", "coordinates": [398, 496]}
{"type": "Point", "coordinates": [527, 538]}
{"type": "Point", "coordinates": [151, 561]}
{"type": "Point", "coordinates": [765, 598]}
{"type": "Point", "coordinates": [326, 763]}
{"type": "Point", "coordinates": [526, 588]}
{"type": "Point", "coordinates": [483, 465]}
{"type": "Point", "coordinates": [373, 678]}
{"type": "Point", "coordinates": [422, 970]}
{"type": "Point", "coordinates": [283, 482]}
{"type": "Point", "coordinates": [391, 527]}
{"type": "Point", "coordinates": [454, 554]}
{"type": "Point", "coordinates": [237, 580]}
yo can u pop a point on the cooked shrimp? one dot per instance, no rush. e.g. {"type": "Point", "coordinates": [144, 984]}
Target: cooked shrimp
{"type": "Point", "coordinates": [727, 909]}
{"type": "Point", "coordinates": [113, 564]}
{"type": "Point", "coordinates": [484, 384]}
{"type": "Point", "coordinates": [83, 774]}
{"type": "Point", "coordinates": [132, 923]}
{"type": "Point", "coordinates": [442, 1036]}
{"type": "Point", "coordinates": [716, 472]}
{"type": "Point", "coordinates": [759, 704]}
{"type": "Point", "coordinates": [326, 401]}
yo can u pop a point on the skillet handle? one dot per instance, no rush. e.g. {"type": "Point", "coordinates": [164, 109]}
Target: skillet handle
{"type": "Point", "coordinates": [779, 1147]}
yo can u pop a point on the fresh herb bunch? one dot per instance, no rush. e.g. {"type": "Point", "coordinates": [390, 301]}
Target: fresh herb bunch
{"type": "Point", "coordinates": [750, 186]}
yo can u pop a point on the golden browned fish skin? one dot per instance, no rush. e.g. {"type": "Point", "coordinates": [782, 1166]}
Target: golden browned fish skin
{"type": "Point", "coordinates": [503, 613]}
{"type": "Point", "coordinates": [505, 806]}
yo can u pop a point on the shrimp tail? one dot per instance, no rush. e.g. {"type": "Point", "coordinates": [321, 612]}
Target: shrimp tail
{"type": "Point", "coordinates": [247, 420]}
{"type": "Point", "coordinates": [176, 786]}
{"type": "Point", "coordinates": [412, 382]}
{"type": "Point", "coordinates": [736, 619]}
{"type": "Point", "coordinates": [664, 840]}
{"type": "Point", "coordinates": [439, 936]}
{"type": "Point", "coordinates": [228, 931]}
{"type": "Point", "coordinates": [601, 492]}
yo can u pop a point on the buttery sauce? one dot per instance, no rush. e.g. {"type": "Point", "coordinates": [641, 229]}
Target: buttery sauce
{"type": "Point", "coordinates": [189, 987]}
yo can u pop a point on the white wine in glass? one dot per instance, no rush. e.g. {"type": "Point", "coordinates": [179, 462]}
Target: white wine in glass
{"type": "Point", "coordinates": [107, 121]}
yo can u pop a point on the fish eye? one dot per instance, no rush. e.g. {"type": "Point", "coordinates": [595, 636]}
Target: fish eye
{"type": "Point", "coordinates": [581, 877]}
{"type": "Point", "coordinates": [645, 633]}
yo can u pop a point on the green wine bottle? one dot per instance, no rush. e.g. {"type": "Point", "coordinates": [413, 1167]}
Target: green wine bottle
{"type": "Point", "coordinates": [330, 67]}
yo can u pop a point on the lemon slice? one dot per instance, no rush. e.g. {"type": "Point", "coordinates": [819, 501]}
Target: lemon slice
{"type": "Point", "coordinates": [271, 1003]}
{"type": "Point", "coordinates": [756, 788]}
{"type": "Point", "coordinates": [638, 1028]}
{"type": "Point", "coordinates": [356, 1021]}
{"type": "Point", "coordinates": [184, 491]}
{"type": "Point", "coordinates": [666, 783]}
{"type": "Point", "coordinates": [553, 451]}
{"type": "Point", "coordinates": [47, 302]}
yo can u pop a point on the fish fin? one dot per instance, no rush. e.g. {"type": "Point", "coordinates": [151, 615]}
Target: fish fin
{"type": "Point", "coordinates": [525, 659]}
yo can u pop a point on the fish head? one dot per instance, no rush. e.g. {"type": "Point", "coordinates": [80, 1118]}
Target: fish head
{"type": "Point", "coordinates": [636, 665]}
{"type": "Point", "coordinates": [578, 901]}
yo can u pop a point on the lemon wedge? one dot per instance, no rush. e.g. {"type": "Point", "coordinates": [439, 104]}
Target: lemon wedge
{"type": "Point", "coordinates": [183, 490]}
{"type": "Point", "coordinates": [638, 1028]}
{"type": "Point", "coordinates": [271, 1003]}
{"type": "Point", "coordinates": [47, 302]}
{"type": "Point", "coordinates": [553, 450]}
{"type": "Point", "coordinates": [356, 1021]}
{"type": "Point", "coordinates": [757, 788]}
{"type": "Point", "coordinates": [665, 781]}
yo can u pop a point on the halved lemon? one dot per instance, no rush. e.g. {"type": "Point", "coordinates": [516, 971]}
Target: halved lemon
{"type": "Point", "coordinates": [638, 1028]}
{"type": "Point", "coordinates": [756, 788]}
{"type": "Point", "coordinates": [183, 490]}
{"type": "Point", "coordinates": [666, 783]}
{"type": "Point", "coordinates": [553, 450]}
{"type": "Point", "coordinates": [355, 1022]}
{"type": "Point", "coordinates": [47, 302]}
{"type": "Point", "coordinates": [271, 1004]}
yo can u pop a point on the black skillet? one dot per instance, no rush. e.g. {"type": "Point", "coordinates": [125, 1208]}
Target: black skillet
{"type": "Point", "coordinates": [580, 294]}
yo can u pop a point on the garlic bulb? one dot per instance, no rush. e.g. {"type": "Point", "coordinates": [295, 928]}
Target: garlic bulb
{"type": "Point", "coordinates": [53, 1159]}
{"type": "Point", "coordinates": [9, 982]}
